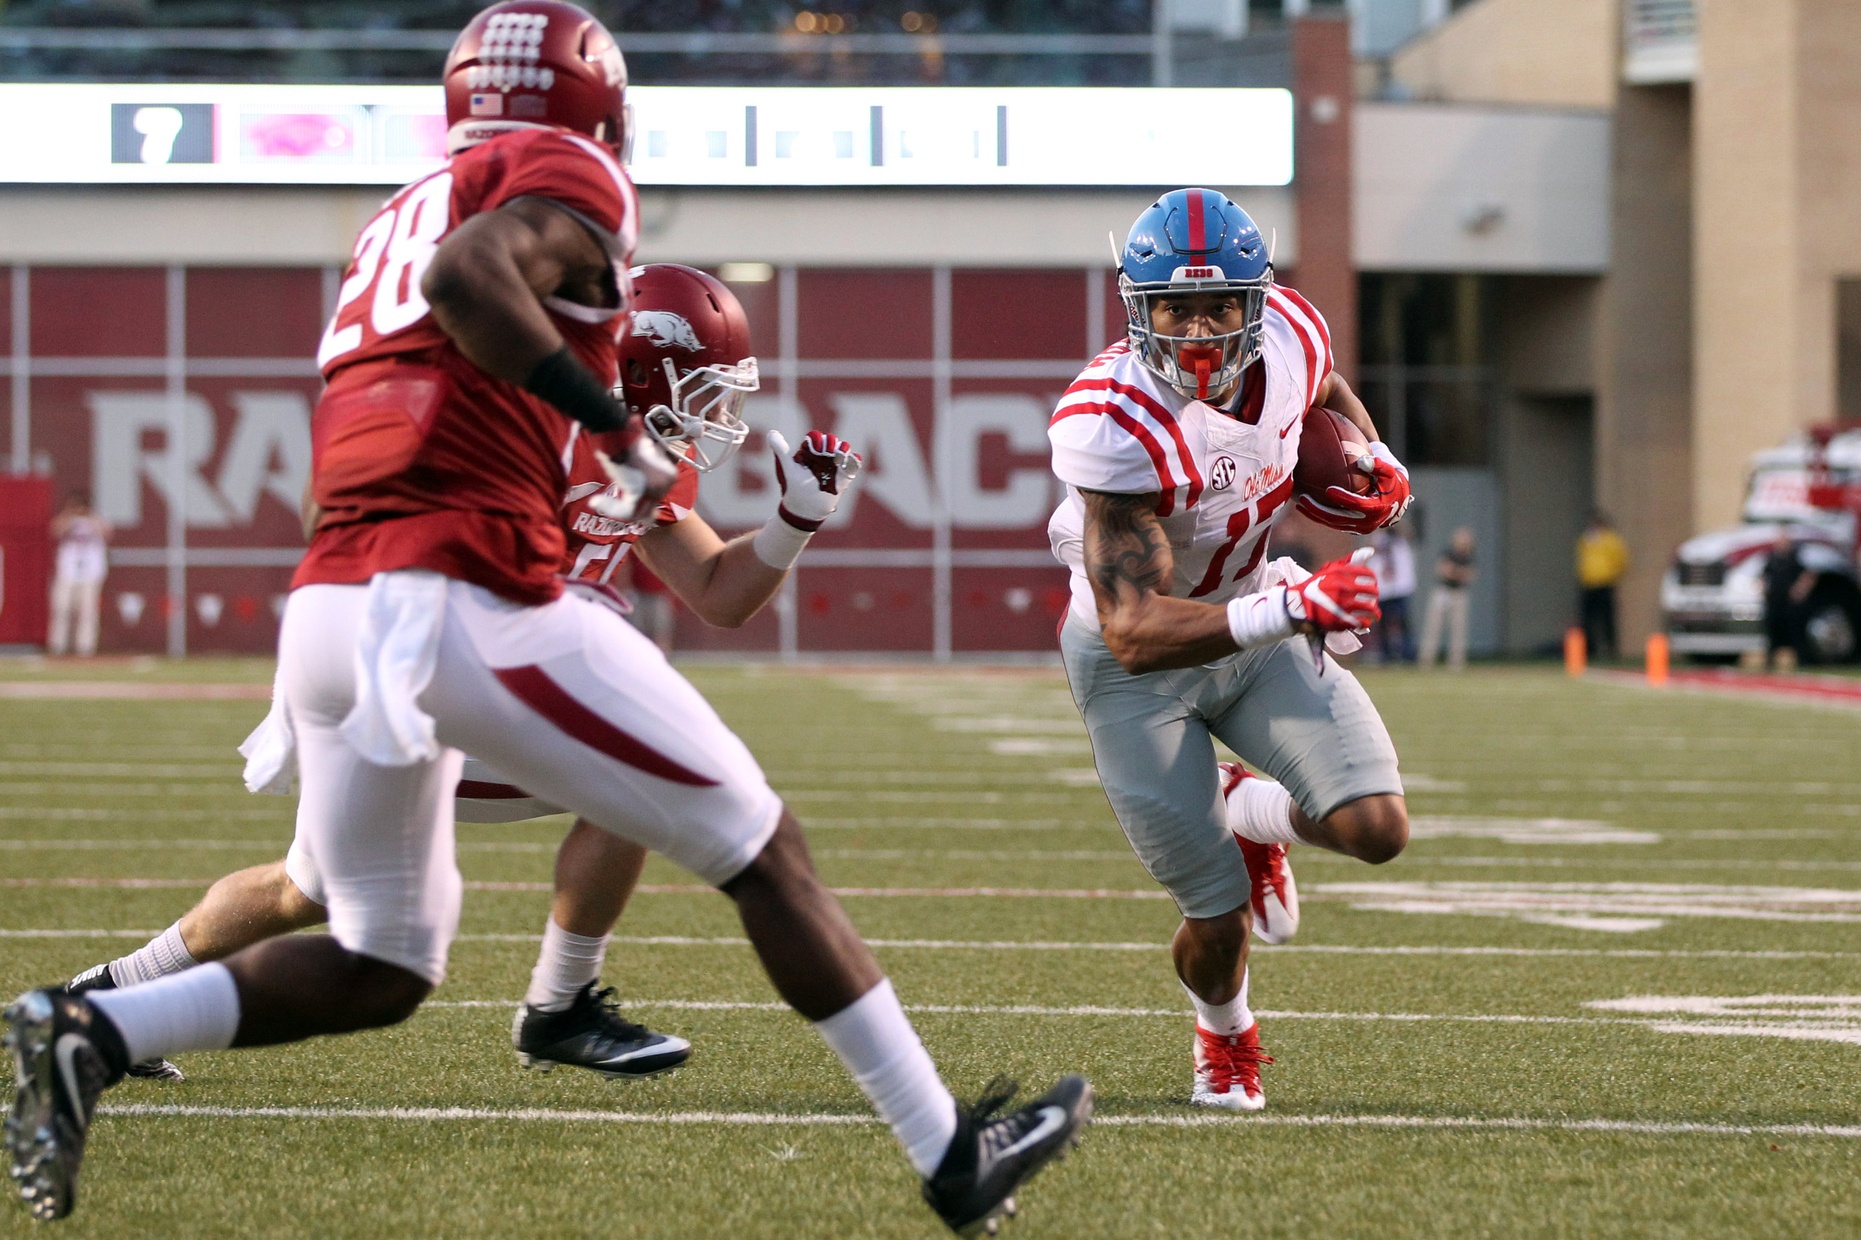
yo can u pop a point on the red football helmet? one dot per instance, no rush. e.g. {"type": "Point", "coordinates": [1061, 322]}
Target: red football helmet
{"type": "Point", "coordinates": [685, 364]}
{"type": "Point", "coordinates": [535, 64]}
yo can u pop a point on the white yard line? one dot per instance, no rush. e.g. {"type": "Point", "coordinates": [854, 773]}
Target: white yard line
{"type": "Point", "coordinates": [1659, 1128]}
{"type": "Point", "coordinates": [1012, 945]}
{"type": "Point", "coordinates": [48, 690]}
{"type": "Point", "coordinates": [280, 810]}
{"type": "Point", "coordinates": [196, 788]}
{"type": "Point", "coordinates": [273, 844]}
{"type": "Point", "coordinates": [914, 822]}
{"type": "Point", "coordinates": [1110, 855]}
{"type": "Point", "coordinates": [107, 770]}
{"type": "Point", "coordinates": [1090, 1009]}
{"type": "Point", "coordinates": [128, 884]}
{"type": "Point", "coordinates": [1804, 904]}
{"type": "Point", "coordinates": [147, 845]}
{"type": "Point", "coordinates": [975, 854]}
{"type": "Point", "coordinates": [1014, 893]}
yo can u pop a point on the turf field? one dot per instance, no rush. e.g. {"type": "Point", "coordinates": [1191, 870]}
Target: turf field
{"type": "Point", "coordinates": [1613, 988]}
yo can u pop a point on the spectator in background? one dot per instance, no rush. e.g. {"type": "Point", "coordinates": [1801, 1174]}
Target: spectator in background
{"type": "Point", "coordinates": [1787, 584]}
{"type": "Point", "coordinates": [1392, 559]}
{"type": "Point", "coordinates": [1602, 562]}
{"type": "Point", "coordinates": [77, 580]}
{"type": "Point", "coordinates": [1447, 605]}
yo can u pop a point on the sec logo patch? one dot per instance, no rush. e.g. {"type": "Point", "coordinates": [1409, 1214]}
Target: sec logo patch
{"type": "Point", "coordinates": [1221, 473]}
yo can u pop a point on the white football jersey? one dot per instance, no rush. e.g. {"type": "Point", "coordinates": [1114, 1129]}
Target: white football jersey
{"type": "Point", "coordinates": [1223, 480]}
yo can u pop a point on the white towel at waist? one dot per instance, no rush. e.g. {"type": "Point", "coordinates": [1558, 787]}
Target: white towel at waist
{"type": "Point", "coordinates": [271, 751]}
{"type": "Point", "coordinates": [395, 654]}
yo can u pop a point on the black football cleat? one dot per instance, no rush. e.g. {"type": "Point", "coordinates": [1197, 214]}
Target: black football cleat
{"type": "Point", "coordinates": [97, 977]}
{"type": "Point", "coordinates": [65, 1054]}
{"type": "Point", "coordinates": [992, 1155]}
{"type": "Point", "coordinates": [590, 1033]}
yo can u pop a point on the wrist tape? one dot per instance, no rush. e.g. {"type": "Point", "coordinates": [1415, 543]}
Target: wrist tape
{"type": "Point", "coordinates": [565, 383]}
{"type": "Point", "coordinates": [1260, 619]}
{"type": "Point", "coordinates": [779, 544]}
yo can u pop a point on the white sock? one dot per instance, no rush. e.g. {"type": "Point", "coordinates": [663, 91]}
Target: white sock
{"type": "Point", "coordinates": [567, 963]}
{"type": "Point", "coordinates": [879, 1047]}
{"type": "Point", "coordinates": [1226, 1019]}
{"type": "Point", "coordinates": [160, 956]}
{"type": "Point", "coordinates": [1261, 810]}
{"type": "Point", "coordinates": [193, 1011]}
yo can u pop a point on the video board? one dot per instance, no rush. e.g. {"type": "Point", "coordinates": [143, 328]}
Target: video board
{"type": "Point", "coordinates": [143, 134]}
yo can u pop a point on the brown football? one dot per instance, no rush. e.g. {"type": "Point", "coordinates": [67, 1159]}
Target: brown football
{"type": "Point", "coordinates": [1330, 445]}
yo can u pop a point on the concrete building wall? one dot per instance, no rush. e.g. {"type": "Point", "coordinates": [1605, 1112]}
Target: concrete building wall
{"type": "Point", "coordinates": [1478, 188]}
{"type": "Point", "coordinates": [1828, 153]}
{"type": "Point", "coordinates": [1747, 253]}
{"type": "Point", "coordinates": [1548, 483]}
{"type": "Point", "coordinates": [1323, 155]}
{"type": "Point", "coordinates": [1645, 429]}
{"type": "Point", "coordinates": [1777, 140]}
{"type": "Point", "coordinates": [1560, 53]}
{"type": "Point", "coordinates": [1544, 336]}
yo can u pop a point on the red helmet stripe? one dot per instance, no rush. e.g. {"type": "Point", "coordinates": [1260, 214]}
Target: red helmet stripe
{"type": "Point", "coordinates": [1198, 233]}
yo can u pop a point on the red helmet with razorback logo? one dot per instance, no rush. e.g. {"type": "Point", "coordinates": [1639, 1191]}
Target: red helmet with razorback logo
{"type": "Point", "coordinates": [535, 64]}
{"type": "Point", "coordinates": [685, 364]}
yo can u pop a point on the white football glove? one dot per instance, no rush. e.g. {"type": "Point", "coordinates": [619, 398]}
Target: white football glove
{"type": "Point", "coordinates": [814, 477]}
{"type": "Point", "coordinates": [639, 480]}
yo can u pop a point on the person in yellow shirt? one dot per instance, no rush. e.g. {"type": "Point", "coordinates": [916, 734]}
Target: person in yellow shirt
{"type": "Point", "coordinates": [1602, 561]}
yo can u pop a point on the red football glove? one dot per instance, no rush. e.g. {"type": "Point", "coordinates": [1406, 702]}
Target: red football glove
{"type": "Point", "coordinates": [1338, 598]}
{"type": "Point", "coordinates": [828, 467]}
{"type": "Point", "coordinates": [1363, 514]}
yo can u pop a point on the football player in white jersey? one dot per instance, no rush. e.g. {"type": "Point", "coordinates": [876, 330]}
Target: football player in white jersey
{"type": "Point", "coordinates": [686, 365]}
{"type": "Point", "coordinates": [1177, 447]}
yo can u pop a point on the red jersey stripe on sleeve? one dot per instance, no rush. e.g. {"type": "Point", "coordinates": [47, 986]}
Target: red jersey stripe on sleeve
{"type": "Point", "coordinates": [1292, 317]}
{"type": "Point", "coordinates": [1310, 311]}
{"type": "Point", "coordinates": [1153, 409]}
{"type": "Point", "coordinates": [1138, 431]}
{"type": "Point", "coordinates": [1319, 325]}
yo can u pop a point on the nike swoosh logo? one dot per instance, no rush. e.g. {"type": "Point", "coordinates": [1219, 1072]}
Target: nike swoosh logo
{"type": "Point", "coordinates": [1052, 1119]}
{"type": "Point", "coordinates": [580, 490]}
{"type": "Point", "coordinates": [65, 1050]}
{"type": "Point", "coordinates": [1287, 429]}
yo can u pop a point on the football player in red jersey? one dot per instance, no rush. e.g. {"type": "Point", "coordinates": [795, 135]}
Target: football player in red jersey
{"type": "Point", "coordinates": [474, 341]}
{"type": "Point", "coordinates": [685, 365]}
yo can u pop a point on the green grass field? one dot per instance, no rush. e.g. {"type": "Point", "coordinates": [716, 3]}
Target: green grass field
{"type": "Point", "coordinates": [1612, 989]}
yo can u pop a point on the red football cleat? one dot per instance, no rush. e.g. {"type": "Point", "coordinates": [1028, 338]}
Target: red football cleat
{"type": "Point", "coordinates": [1275, 897]}
{"type": "Point", "coordinates": [1227, 1070]}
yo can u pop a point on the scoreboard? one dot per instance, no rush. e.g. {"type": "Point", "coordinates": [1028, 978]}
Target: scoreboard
{"type": "Point", "coordinates": [143, 134]}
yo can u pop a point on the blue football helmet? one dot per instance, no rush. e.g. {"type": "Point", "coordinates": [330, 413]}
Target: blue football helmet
{"type": "Point", "coordinates": [1195, 241]}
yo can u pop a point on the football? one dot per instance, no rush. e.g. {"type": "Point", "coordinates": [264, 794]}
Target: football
{"type": "Point", "coordinates": [1330, 445]}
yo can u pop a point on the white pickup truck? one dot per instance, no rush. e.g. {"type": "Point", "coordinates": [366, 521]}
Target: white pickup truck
{"type": "Point", "coordinates": [1713, 594]}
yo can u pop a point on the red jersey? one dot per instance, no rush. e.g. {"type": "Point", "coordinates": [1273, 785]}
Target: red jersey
{"type": "Point", "coordinates": [598, 544]}
{"type": "Point", "coordinates": [421, 459]}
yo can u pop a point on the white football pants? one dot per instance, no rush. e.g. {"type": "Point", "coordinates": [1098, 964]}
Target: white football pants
{"type": "Point", "coordinates": [74, 599]}
{"type": "Point", "coordinates": [567, 700]}
{"type": "Point", "coordinates": [1447, 612]}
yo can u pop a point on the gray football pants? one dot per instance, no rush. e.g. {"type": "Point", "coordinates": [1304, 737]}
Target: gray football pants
{"type": "Point", "coordinates": [1318, 735]}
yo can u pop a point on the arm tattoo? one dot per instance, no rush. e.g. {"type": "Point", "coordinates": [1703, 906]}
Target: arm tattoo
{"type": "Point", "coordinates": [1125, 546]}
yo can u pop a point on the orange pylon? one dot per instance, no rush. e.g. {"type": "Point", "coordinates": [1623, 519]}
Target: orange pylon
{"type": "Point", "coordinates": [1657, 659]}
{"type": "Point", "coordinates": [1576, 652]}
